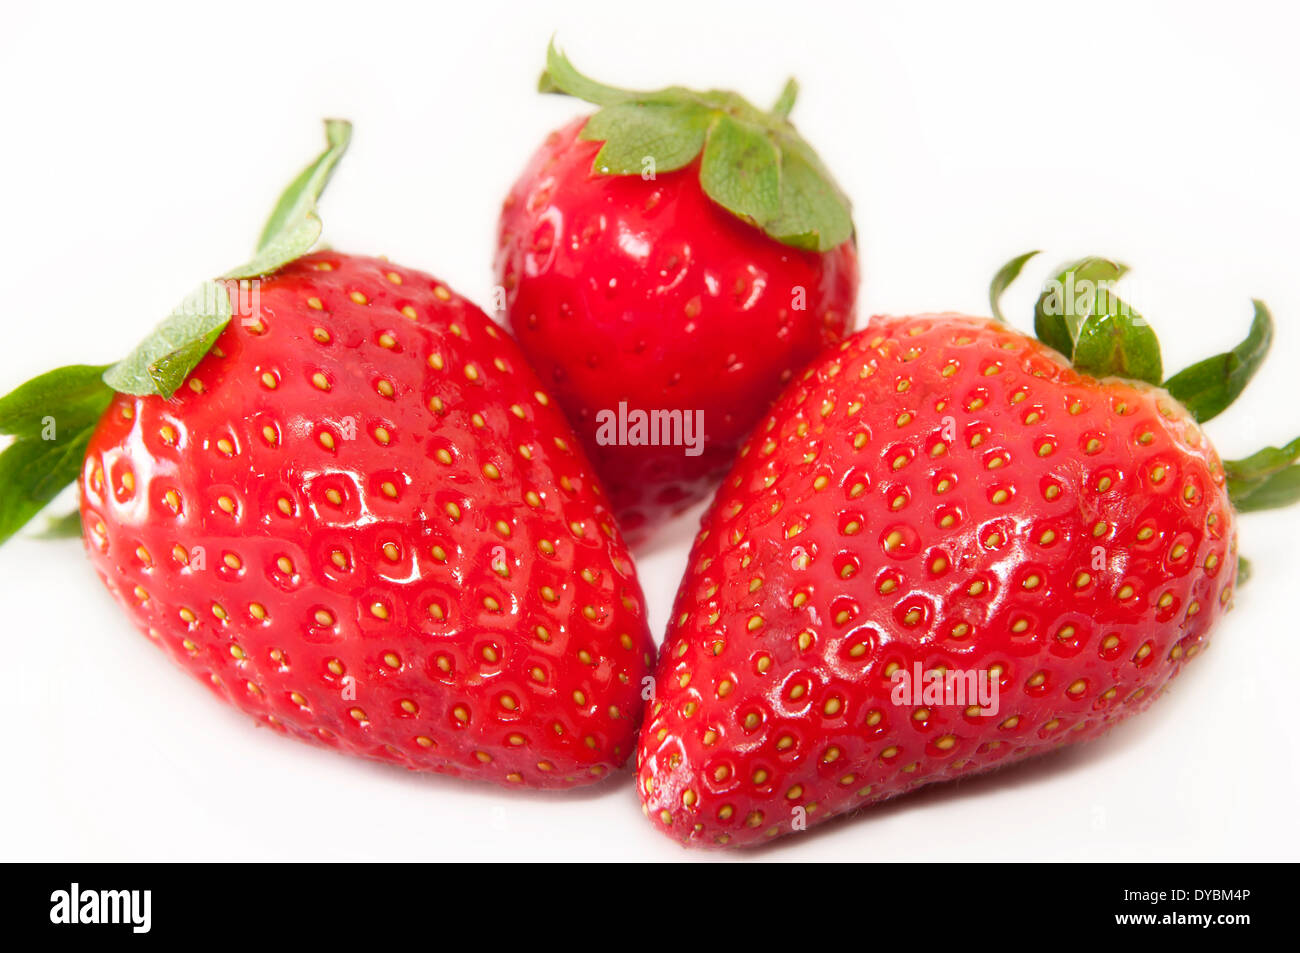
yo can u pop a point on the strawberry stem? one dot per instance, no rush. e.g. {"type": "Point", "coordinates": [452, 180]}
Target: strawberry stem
{"type": "Point", "coordinates": [785, 102]}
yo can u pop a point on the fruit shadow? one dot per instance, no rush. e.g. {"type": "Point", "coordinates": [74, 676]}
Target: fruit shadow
{"type": "Point", "coordinates": [1043, 767]}
{"type": "Point", "coordinates": [430, 781]}
{"type": "Point", "coordinates": [1019, 774]}
{"type": "Point", "coordinates": [1034, 770]}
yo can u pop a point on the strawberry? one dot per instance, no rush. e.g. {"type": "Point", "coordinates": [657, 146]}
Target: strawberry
{"type": "Point", "coordinates": [357, 516]}
{"type": "Point", "coordinates": [677, 252]}
{"type": "Point", "coordinates": [938, 508]}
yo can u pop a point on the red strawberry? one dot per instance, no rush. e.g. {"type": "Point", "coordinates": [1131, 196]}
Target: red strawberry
{"type": "Point", "coordinates": [362, 521]}
{"type": "Point", "coordinates": [676, 251]}
{"type": "Point", "coordinates": [941, 494]}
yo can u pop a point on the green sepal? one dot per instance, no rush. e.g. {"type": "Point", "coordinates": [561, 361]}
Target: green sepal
{"type": "Point", "coordinates": [1079, 314]}
{"type": "Point", "coordinates": [754, 163]}
{"type": "Point", "coordinates": [1209, 387]}
{"type": "Point", "coordinates": [1244, 570]}
{"type": "Point", "coordinates": [51, 418]}
{"type": "Point", "coordinates": [1279, 490]}
{"type": "Point", "coordinates": [1116, 341]}
{"type": "Point", "coordinates": [814, 212]}
{"type": "Point", "coordinates": [74, 393]}
{"type": "Point", "coordinates": [741, 170]}
{"type": "Point", "coordinates": [671, 132]}
{"type": "Point", "coordinates": [161, 362]}
{"type": "Point", "coordinates": [1266, 480]}
{"type": "Point", "coordinates": [1262, 464]}
{"type": "Point", "coordinates": [1003, 279]}
{"type": "Point", "coordinates": [294, 226]}
{"type": "Point", "coordinates": [562, 77]}
{"type": "Point", "coordinates": [1060, 311]}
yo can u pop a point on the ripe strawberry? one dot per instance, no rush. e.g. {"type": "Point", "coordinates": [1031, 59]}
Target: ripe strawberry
{"type": "Point", "coordinates": [361, 520]}
{"type": "Point", "coordinates": [945, 495]}
{"type": "Point", "coordinates": [676, 251]}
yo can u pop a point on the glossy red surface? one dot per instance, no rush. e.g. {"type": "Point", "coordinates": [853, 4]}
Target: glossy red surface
{"type": "Point", "coordinates": [646, 291]}
{"type": "Point", "coordinates": [363, 522]}
{"type": "Point", "coordinates": [942, 492]}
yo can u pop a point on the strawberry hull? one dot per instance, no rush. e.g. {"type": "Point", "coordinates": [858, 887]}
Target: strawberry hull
{"type": "Point", "coordinates": [942, 496]}
{"type": "Point", "coordinates": [362, 521]}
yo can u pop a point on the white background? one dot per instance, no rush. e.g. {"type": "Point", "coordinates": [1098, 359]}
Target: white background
{"type": "Point", "coordinates": [143, 147]}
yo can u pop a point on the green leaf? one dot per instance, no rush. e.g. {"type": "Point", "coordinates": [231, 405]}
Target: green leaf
{"type": "Point", "coordinates": [560, 76]}
{"type": "Point", "coordinates": [52, 418]}
{"type": "Point", "coordinates": [814, 213]}
{"type": "Point", "coordinates": [1251, 471]}
{"type": "Point", "coordinates": [32, 472]}
{"type": "Point", "coordinates": [1068, 300]}
{"type": "Point", "coordinates": [1002, 280]}
{"type": "Point", "coordinates": [1116, 341]}
{"type": "Point", "coordinates": [294, 226]}
{"type": "Point", "coordinates": [68, 395]}
{"type": "Point", "coordinates": [1266, 479]}
{"type": "Point", "coordinates": [1079, 314]}
{"type": "Point", "coordinates": [1208, 387]}
{"type": "Point", "coordinates": [161, 362]}
{"type": "Point", "coordinates": [1244, 570]}
{"type": "Point", "coordinates": [669, 134]}
{"type": "Point", "coordinates": [755, 164]}
{"type": "Point", "coordinates": [1279, 490]}
{"type": "Point", "coordinates": [741, 171]}
{"type": "Point", "coordinates": [1262, 463]}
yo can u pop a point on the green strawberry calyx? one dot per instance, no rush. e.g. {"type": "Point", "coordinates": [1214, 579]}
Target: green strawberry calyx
{"type": "Point", "coordinates": [52, 417]}
{"type": "Point", "coordinates": [161, 362]}
{"type": "Point", "coordinates": [1079, 314]}
{"type": "Point", "coordinates": [752, 162]}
